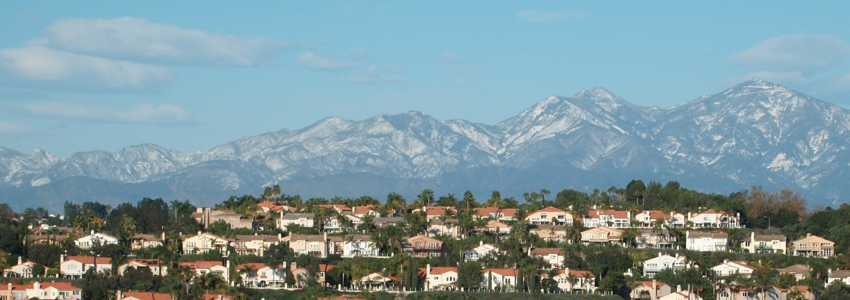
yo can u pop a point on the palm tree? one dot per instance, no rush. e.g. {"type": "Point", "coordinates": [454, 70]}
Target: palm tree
{"type": "Point", "coordinates": [570, 280]}
{"type": "Point", "coordinates": [249, 271]}
{"type": "Point", "coordinates": [544, 193]}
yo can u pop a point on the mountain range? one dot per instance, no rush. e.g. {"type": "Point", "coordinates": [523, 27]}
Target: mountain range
{"type": "Point", "coordinates": [755, 133]}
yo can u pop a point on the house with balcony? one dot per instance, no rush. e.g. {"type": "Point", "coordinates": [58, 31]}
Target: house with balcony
{"type": "Point", "coordinates": [383, 222]}
{"type": "Point", "coordinates": [814, 246]}
{"type": "Point", "coordinates": [838, 275]}
{"type": "Point", "coordinates": [204, 242]}
{"type": "Point", "coordinates": [141, 241]}
{"type": "Point", "coordinates": [706, 241]}
{"type": "Point", "coordinates": [311, 244]}
{"type": "Point", "coordinates": [365, 210]}
{"type": "Point", "coordinates": [120, 295]}
{"type": "Point", "coordinates": [496, 213]}
{"type": "Point", "coordinates": [662, 262]}
{"type": "Point", "coordinates": [261, 275]}
{"type": "Point", "coordinates": [22, 270]}
{"type": "Point", "coordinates": [765, 243]}
{"type": "Point", "coordinates": [432, 212]}
{"type": "Point", "coordinates": [715, 219]}
{"type": "Point", "coordinates": [438, 278]}
{"type": "Point", "coordinates": [305, 220]}
{"type": "Point", "coordinates": [608, 218]}
{"type": "Point", "coordinates": [499, 279]}
{"type": "Point", "coordinates": [495, 227]}
{"type": "Point", "coordinates": [272, 207]}
{"type": "Point", "coordinates": [602, 235]}
{"type": "Point", "coordinates": [422, 246]}
{"type": "Point", "coordinates": [549, 232]}
{"type": "Point", "coordinates": [74, 267]}
{"type": "Point", "coordinates": [799, 271]}
{"type": "Point", "coordinates": [254, 244]}
{"type": "Point", "coordinates": [549, 215]}
{"type": "Point", "coordinates": [657, 239]}
{"type": "Point", "coordinates": [649, 219]}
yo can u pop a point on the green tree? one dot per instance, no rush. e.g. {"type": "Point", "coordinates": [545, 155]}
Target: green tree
{"type": "Point", "coordinates": [469, 275]}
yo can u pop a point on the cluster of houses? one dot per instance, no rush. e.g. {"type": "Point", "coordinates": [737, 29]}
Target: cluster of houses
{"type": "Point", "coordinates": [604, 226]}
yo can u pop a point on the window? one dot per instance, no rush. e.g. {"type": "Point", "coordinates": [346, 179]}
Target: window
{"type": "Point", "coordinates": [432, 245]}
{"type": "Point", "coordinates": [507, 280]}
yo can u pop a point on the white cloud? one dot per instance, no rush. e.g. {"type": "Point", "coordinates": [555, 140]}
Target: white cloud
{"type": "Point", "coordinates": [359, 53]}
{"type": "Point", "coordinates": [375, 74]}
{"type": "Point", "coordinates": [315, 61]}
{"type": "Point", "coordinates": [165, 114]}
{"type": "Point", "coordinates": [12, 128]}
{"type": "Point", "coordinates": [802, 53]}
{"type": "Point", "coordinates": [541, 16]}
{"type": "Point", "coordinates": [137, 39]}
{"type": "Point", "coordinates": [41, 67]}
{"type": "Point", "coordinates": [451, 57]}
{"type": "Point", "coordinates": [23, 95]}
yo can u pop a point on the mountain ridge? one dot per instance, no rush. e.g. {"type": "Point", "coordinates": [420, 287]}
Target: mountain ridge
{"type": "Point", "coordinates": [755, 133]}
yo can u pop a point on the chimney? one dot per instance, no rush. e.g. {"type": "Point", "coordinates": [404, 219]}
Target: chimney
{"type": "Point", "coordinates": [61, 260]}
{"type": "Point", "coordinates": [36, 286]}
{"type": "Point", "coordinates": [480, 243]}
{"type": "Point", "coordinates": [808, 234]}
{"type": "Point", "coordinates": [20, 260]}
{"type": "Point", "coordinates": [678, 288]}
{"type": "Point", "coordinates": [219, 296]}
{"type": "Point", "coordinates": [199, 232]}
{"type": "Point", "coordinates": [725, 261]}
{"type": "Point", "coordinates": [255, 233]}
{"type": "Point", "coordinates": [427, 276]}
{"type": "Point", "coordinates": [199, 209]}
{"type": "Point", "coordinates": [654, 290]}
{"type": "Point", "coordinates": [118, 295]}
{"type": "Point", "coordinates": [659, 254]}
{"type": "Point", "coordinates": [92, 232]}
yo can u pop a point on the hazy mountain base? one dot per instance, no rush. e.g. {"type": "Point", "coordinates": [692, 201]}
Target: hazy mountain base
{"type": "Point", "coordinates": [511, 182]}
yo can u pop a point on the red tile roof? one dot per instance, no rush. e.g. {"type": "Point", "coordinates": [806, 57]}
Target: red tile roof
{"type": "Point", "coordinates": [62, 286]}
{"type": "Point", "coordinates": [437, 270]}
{"type": "Point", "coordinates": [200, 264]}
{"type": "Point", "coordinates": [146, 296]}
{"type": "Point", "coordinates": [485, 212]}
{"type": "Point", "coordinates": [503, 272]}
{"type": "Point", "coordinates": [618, 214]}
{"type": "Point", "coordinates": [255, 266]}
{"type": "Point", "coordinates": [215, 297]}
{"type": "Point", "coordinates": [89, 260]}
{"type": "Point", "coordinates": [545, 251]}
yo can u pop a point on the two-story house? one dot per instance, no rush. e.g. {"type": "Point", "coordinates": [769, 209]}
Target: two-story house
{"type": "Point", "coordinates": [570, 280]}
{"type": "Point", "coordinates": [499, 279]}
{"type": "Point", "coordinates": [838, 275]}
{"type": "Point", "coordinates": [715, 219]}
{"type": "Point", "coordinates": [496, 213]}
{"type": "Point", "coordinates": [141, 241]}
{"type": "Point", "coordinates": [658, 239]}
{"type": "Point", "coordinates": [706, 241]}
{"type": "Point", "coordinates": [601, 235]}
{"type": "Point", "coordinates": [422, 246]}
{"type": "Point", "coordinates": [548, 215]}
{"type": "Point", "coordinates": [608, 218]}
{"type": "Point", "coordinates": [310, 244]}
{"type": "Point", "coordinates": [206, 216]}
{"type": "Point", "coordinates": [306, 220]}
{"type": "Point", "coordinates": [765, 243]}
{"type": "Point", "coordinates": [495, 227]}
{"type": "Point", "coordinates": [447, 227]}
{"type": "Point", "coordinates": [553, 256]}
{"type": "Point", "coordinates": [814, 246]}
{"type": "Point", "coordinates": [799, 271]}
{"type": "Point", "coordinates": [548, 232]}
{"type": "Point", "coordinates": [22, 270]}
{"type": "Point", "coordinates": [46, 290]}
{"type": "Point", "coordinates": [204, 267]}
{"type": "Point", "coordinates": [438, 278]}
{"type": "Point", "coordinates": [432, 212]}
{"type": "Point", "coordinates": [657, 264]}
{"type": "Point", "coordinates": [650, 290]}
{"type": "Point", "coordinates": [351, 245]}
{"type": "Point", "coordinates": [75, 266]}
{"type": "Point", "coordinates": [365, 210]}
{"type": "Point", "coordinates": [650, 218]}
{"type": "Point", "coordinates": [254, 244]}
{"type": "Point", "coordinates": [203, 242]}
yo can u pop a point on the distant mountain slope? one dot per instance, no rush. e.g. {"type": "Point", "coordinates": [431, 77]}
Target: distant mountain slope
{"type": "Point", "coordinates": [756, 133]}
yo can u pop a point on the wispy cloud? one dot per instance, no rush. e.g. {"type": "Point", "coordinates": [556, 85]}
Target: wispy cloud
{"type": "Point", "coordinates": [318, 62]}
{"type": "Point", "coordinates": [165, 114]}
{"type": "Point", "coordinates": [47, 68]}
{"type": "Point", "coordinates": [359, 53]}
{"type": "Point", "coordinates": [136, 39]}
{"type": "Point", "coordinates": [548, 16]}
{"type": "Point", "coordinates": [461, 66]}
{"type": "Point", "coordinates": [374, 74]}
{"type": "Point", "coordinates": [23, 95]}
{"type": "Point", "coordinates": [13, 128]}
{"type": "Point", "coordinates": [794, 53]}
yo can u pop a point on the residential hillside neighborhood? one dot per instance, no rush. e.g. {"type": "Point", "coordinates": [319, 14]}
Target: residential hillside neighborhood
{"type": "Point", "coordinates": [567, 245]}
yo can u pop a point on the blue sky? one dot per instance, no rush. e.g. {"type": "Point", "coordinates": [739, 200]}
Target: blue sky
{"type": "Point", "coordinates": [80, 76]}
